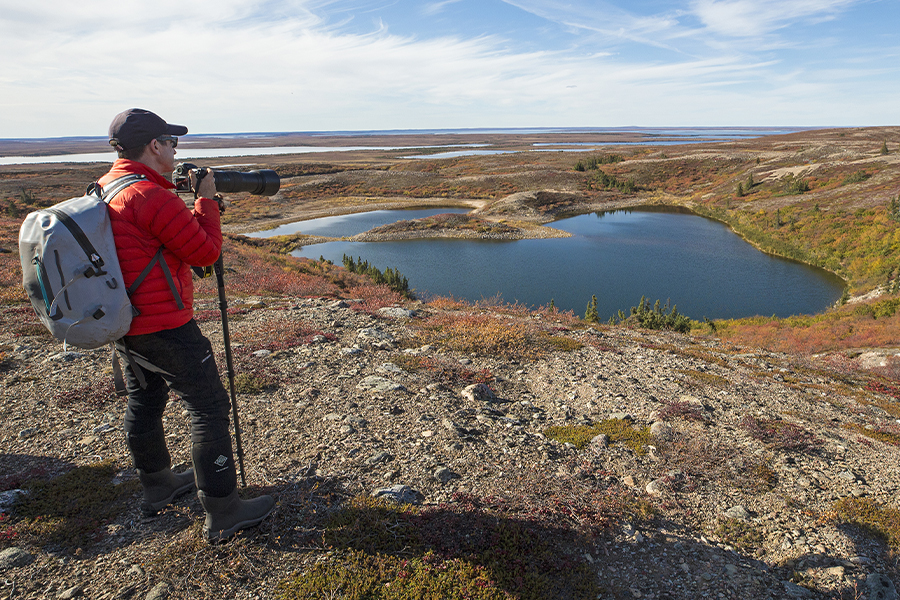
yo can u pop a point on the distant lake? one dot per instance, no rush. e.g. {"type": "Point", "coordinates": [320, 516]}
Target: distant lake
{"type": "Point", "coordinates": [696, 263]}
{"type": "Point", "coordinates": [670, 136]}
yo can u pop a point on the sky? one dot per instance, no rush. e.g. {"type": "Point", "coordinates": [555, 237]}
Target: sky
{"type": "Point", "coordinates": [232, 66]}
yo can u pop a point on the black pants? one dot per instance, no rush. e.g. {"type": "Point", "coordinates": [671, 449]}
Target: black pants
{"type": "Point", "coordinates": [180, 360]}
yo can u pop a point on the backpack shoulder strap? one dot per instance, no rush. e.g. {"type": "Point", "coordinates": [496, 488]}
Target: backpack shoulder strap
{"type": "Point", "coordinates": [117, 185]}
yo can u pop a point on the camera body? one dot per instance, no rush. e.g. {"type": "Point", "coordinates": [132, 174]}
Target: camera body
{"type": "Point", "coordinates": [264, 182]}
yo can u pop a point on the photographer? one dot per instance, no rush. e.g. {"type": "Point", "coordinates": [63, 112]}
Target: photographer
{"type": "Point", "coordinates": [164, 349]}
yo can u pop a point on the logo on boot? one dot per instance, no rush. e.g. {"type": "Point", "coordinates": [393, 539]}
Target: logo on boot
{"type": "Point", "coordinates": [221, 461]}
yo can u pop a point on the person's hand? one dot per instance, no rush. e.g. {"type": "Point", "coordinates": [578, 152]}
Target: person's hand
{"type": "Point", "coordinates": [206, 188]}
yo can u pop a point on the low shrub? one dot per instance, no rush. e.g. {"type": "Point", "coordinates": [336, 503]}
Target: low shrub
{"type": "Point", "coordinates": [67, 512]}
{"type": "Point", "coordinates": [878, 519]}
{"type": "Point", "coordinates": [619, 431]}
{"type": "Point", "coordinates": [781, 435]}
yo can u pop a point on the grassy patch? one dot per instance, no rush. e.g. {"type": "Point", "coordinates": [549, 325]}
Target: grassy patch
{"type": "Point", "coordinates": [877, 519]}
{"type": "Point", "coordinates": [619, 431]}
{"type": "Point", "coordinates": [439, 370]}
{"type": "Point", "coordinates": [681, 409]}
{"type": "Point", "coordinates": [881, 435]}
{"type": "Point", "coordinates": [491, 335]}
{"type": "Point", "coordinates": [474, 548]}
{"type": "Point", "coordinates": [67, 512]}
{"type": "Point", "coordinates": [740, 534]}
{"type": "Point", "coordinates": [781, 435]}
{"type": "Point", "coordinates": [357, 575]}
{"type": "Point", "coordinates": [702, 377]}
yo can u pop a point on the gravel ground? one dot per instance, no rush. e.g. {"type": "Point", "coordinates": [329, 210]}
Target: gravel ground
{"type": "Point", "coordinates": [332, 415]}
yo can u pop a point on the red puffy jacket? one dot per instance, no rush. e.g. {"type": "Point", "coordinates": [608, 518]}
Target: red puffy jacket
{"type": "Point", "coordinates": [148, 215]}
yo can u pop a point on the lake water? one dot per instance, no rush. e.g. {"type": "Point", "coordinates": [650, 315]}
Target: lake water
{"type": "Point", "coordinates": [186, 152]}
{"type": "Point", "coordinates": [696, 263]}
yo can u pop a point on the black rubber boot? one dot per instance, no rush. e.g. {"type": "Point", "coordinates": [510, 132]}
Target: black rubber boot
{"type": "Point", "coordinates": [153, 463]}
{"type": "Point", "coordinates": [161, 488]}
{"type": "Point", "coordinates": [226, 516]}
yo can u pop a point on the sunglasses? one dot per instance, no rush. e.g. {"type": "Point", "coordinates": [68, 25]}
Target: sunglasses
{"type": "Point", "coordinates": [168, 138]}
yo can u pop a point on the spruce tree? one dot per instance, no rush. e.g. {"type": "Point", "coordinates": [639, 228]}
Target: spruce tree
{"type": "Point", "coordinates": [590, 315]}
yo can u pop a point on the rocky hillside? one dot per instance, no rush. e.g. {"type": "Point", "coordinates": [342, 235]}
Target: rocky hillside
{"type": "Point", "coordinates": [539, 457]}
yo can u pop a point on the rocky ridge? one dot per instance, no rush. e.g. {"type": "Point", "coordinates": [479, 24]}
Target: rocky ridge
{"type": "Point", "coordinates": [736, 514]}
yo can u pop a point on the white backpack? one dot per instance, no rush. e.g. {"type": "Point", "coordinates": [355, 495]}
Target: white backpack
{"type": "Point", "coordinates": [71, 272]}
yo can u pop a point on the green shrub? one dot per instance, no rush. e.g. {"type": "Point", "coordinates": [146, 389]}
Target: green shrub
{"type": "Point", "coordinates": [617, 430]}
{"type": "Point", "coordinates": [67, 512]}
{"type": "Point", "coordinates": [656, 317]}
{"type": "Point", "coordinates": [882, 521]}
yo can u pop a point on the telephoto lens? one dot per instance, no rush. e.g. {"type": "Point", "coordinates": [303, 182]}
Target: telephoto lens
{"type": "Point", "coordinates": [263, 182]}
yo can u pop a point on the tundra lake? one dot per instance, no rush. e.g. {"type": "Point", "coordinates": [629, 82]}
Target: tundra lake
{"type": "Point", "coordinates": [697, 264]}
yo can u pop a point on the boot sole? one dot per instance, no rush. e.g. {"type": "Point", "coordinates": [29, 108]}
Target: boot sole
{"type": "Point", "coordinates": [150, 510]}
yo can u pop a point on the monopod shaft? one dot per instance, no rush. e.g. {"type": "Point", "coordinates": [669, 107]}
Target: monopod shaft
{"type": "Point", "coordinates": [229, 363]}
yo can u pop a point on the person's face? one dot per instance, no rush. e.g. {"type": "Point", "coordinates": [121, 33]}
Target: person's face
{"type": "Point", "coordinates": [166, 145]}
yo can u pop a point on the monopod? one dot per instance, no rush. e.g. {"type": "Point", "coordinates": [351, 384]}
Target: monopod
{"type": "Point", "coordinates": [219, 268]}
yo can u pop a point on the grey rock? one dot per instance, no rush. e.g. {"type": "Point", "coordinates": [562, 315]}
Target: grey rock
{"type": "Point", "coordinates": [379, 458]}
{"type": "Point", "coordinates": [601, 441]}
{"type": "Point", "coordinates": [9, 498]}
{"type": "Point", "coordinates": [795, 591]}
{"type": "Point", "coordinates": [72, 592]}
{"type": "Point", "coordinates": [880, 587]}
{"type": "Point", "coordinates": [402, 494]}
{"type": "Point", "coordinates": [443, 474]}
{"type": "Point", "coordinates": [661, 430]}
{"type": "Point", "coordinates": [620, 415]}
{"type": "Point", "coordinates": [738, 512]}
{"type": "Point", "coordinates": [389, 368]}
{"type": "Point", "coordinates": [14, 557]}
{"type": "Point", "coordinates": [478, 392]}
{"type": "Point", "coordinates": [262, 353]}
{"type": "Point", "coordinates": [849, 476]}
{"type": "Point", "coordinates": [656, 487]}
{"type": "Point", "coordinates": [338, 305]}
{"type": "Point", "coordinates": [394, 312]}
{"type": "Point", "coordinates": [379, 385]}
{"type": "Point", "coordinates": [29, 432]}
{"type": "Point", "coordinates": [160, 591]}
{"type": "Point", "coordinates": [372, 336]}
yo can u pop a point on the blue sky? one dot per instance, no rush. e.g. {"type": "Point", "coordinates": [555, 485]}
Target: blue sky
{"type": "Point", "coordinates": [318, 65]}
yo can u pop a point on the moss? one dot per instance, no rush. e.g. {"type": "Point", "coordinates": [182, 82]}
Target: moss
{"type": "Point", "coordinates": [617, 430]}
{"type": "Point", "coordinates": [706, 378]}
{"type": "Point", "coordinates": [887, 437]}
{"type": "Point", "coordinates": [68, 511]}
{"type": "Point", "coordinates": [357, 575]}
{"type": "Point", "coordinates": [740, 534]}
{"type": "Point", "coordinates": [879, 520]}
{"type": "Point", "coordinates": [250, 383]}
{"type": "Point", "coordinates": [468, 549]}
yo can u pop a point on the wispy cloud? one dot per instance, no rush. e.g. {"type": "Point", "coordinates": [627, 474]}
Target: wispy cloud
{"type": "Point", "coordinates": [230, 65]}
{"type": "Point", "coordinates": [751, 18]}
{"type": "Point", "coordinates": [433, 8]}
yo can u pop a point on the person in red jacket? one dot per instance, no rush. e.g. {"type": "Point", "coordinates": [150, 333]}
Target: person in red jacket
{"type": "Point", "coordinates": [165, 349]}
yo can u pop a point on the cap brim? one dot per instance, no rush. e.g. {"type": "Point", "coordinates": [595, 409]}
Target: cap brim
{"type": "Point", "coordinates": [176, 129]}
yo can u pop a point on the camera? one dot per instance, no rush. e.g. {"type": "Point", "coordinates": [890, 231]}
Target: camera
{"type": "Point", "coordinates": [264, 182]}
